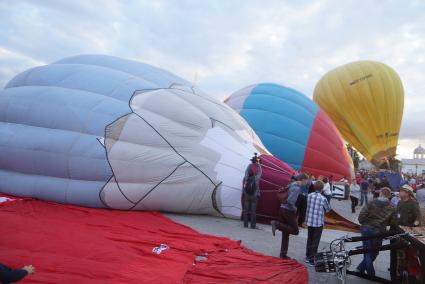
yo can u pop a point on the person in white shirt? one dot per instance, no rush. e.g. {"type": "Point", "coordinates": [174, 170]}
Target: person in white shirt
{"type": "Point", "coordinates": [327, 189]}
{"type": "Point", "coordinates": [354, 195]}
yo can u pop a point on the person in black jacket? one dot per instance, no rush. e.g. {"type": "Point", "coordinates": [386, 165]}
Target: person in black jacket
{"type": "Point", "coordinates": [10, 275]}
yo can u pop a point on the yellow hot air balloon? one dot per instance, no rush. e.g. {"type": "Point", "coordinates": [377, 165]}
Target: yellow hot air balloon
{"type": "Point", "coordinates": [365, 99]}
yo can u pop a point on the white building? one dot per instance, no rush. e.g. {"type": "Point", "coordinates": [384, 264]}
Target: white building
{"type": "Point", "coordinates": [415, 165]}
{"type": "Point", "coordinates": [366, 165]}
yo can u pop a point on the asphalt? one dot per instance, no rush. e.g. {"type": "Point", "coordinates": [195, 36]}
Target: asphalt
{"type": "Point", "coordinates": [262, 240]}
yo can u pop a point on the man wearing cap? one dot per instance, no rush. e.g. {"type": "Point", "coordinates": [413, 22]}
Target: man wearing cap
{"type": "Point", "coordinates": [409, 215]}
{"type": "Point", "coordinates": [408, 212]}
{"type": "Point", "coordinates": [374, 219]}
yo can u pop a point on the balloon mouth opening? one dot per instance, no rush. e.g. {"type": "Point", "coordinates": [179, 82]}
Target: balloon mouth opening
{"type": "Point", "coordinates": [384, 156]}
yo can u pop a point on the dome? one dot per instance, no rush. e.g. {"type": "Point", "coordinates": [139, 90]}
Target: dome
{"type": "Point", "coordinates": [419, 150]}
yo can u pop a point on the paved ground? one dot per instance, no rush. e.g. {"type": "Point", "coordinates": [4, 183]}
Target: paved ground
{"type": "Point", "coordinates": [262, 240]}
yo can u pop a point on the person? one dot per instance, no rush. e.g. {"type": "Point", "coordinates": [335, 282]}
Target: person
{"type": "Point", "coordinates": [420, 194]}
{"type": "Point", "coordinates": [250, 199]}
{"type": "Point", "coordinates": [376, 188]}
{"type": "Point", "coordinates": [10, 275]}
{"type": "Point", "coordinates": [302, 203]}
{"type": "Point", "coordinates": [327, 189]}
{"type": "Point", "coordinates": [364, 191]}
{"type": "Point", "coordinates": [317, 206]}
{"type": "Point", "coordinates": [287, 222]}
{"type": "Point", "coordinates": [374, 219]}
{"type": "Point", "coordinates": [396, 199]}
{"type": "Point", "coordinates": [409, 215]}
{"type": "Point", "coordinates": [408, 212]}
{"type": "Point", "coordinates": [354, 195]}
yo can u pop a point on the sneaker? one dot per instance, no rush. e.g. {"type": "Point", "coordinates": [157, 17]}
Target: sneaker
{"type": "Point", "coordinates": [273, 223]}
{"type": "Point", "coordinates": [311, 263]}
{"type": "Point", "coordinates": [306, 260]}
{"type": "Point", "coordinates": [285, 257]}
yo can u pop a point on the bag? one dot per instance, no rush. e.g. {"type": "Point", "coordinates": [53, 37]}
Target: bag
{"type": "Point", "coordinates": [250, 185]}
{"type": "Point", "coordinates": [282, 194]}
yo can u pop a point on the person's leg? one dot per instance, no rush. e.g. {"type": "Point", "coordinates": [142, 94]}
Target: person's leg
{"type": "Point", "coordinates": [370, 257]}
{"type": "Point", "coordinates": [288, 225]}
{"type": "Point", "coordinates": [245, 211]}
{"type": "Point", "coordinates": [362, 266]}
{"type": "Point", "coordinates": [353, 207]}
{"type": "Point", "coordinates": [317, 235]}
{"type": "Point", "coordinates": [302, 209]}
{"type": "Point", "coordinates": [253, 211]}
{"type": "Point", "coordinates": [309, 242]}
{"type": "Point", "coordinates": [365, 198]}
{"type": "Point", "coordinates": [361, 198]}
{"type": "Point", "coordinates": [356, 199]}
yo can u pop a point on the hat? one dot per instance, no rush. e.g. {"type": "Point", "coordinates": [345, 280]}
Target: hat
{"type": "Point", "coordinates": [408, 189]}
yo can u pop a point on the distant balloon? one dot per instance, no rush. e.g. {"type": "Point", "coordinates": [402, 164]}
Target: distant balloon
{"type": "Point", "coordinates": [293, 128]}
{"type": "Point", "coordinates": [365, 99]}
{"type": "Point", "coordinates": [101, 131]}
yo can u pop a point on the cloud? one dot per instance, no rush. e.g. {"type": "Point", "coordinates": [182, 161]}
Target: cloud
{"type": "Point", "coordinates": [227, 45]}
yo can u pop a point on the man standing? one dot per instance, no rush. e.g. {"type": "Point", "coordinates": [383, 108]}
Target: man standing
{"type": "Point", "coordinates": [374, 219]}
{"type": "Point", "coordinates": [251, 192]}
{"type": "Point", "coordinates": [354, 195]}
{"type": "Point", "coordinates": [288, 215]}
{"type": "Point", "coordinates": [317, 205]}
{"type": "Point", "coordinates": [364, 190]}
{"type": "Point", "coordinates": [408, 212]}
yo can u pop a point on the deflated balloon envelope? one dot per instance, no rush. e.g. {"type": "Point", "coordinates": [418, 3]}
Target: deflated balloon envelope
{"type": "Point", "coordinates": [101, 131]}
{"type": "Point", "coordinates": [293, 128]}
{"type": "Point", "coordinates": [365, 100]}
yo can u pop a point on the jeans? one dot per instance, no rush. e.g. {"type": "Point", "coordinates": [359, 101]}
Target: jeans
{"type": "Point", "coordinates": [301, 205]}
{"type": "Point", "coordinates": [288, 225]}
{"type": "Point", "coordinates": [250, 209]}
{"type": "Point", "coordinates": [369, 257]}
{"type": "Point", "coordinates": [313, 240]}
{"type": "Point", "coordinates": [328, 198]}
{"type": "Point", "coordinates": [354, 203]}
{"type": "Point", "coordinates": [363, 199]}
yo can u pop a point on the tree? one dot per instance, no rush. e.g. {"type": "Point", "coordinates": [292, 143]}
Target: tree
{"type": "Point", "coordinates": [354, 155]}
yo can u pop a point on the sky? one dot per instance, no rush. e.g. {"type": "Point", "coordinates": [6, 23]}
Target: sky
{"type": "Point", "coordinates": [222, 46]}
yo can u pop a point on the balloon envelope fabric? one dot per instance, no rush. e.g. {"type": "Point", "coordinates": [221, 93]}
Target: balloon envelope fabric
{"type": "Point", "coordinates": [101, 131]}
{"type": "Point", "coordinates": [293, 128]}
{"type": "Point", "coordinates": [365, 99]}
{"type": "Point", "coordinates": [69, 244]}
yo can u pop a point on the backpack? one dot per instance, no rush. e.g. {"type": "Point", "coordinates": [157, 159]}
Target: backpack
{"type": "Point", "coordinates": [250, 185]}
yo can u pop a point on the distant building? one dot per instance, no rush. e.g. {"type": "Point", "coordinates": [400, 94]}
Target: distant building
{"type": "Point", "coordinates": [415, 165]}
{"type": "Point", "coordinates": [366, 165]}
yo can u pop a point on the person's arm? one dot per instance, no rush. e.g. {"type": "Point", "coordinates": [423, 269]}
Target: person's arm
{"type": "Point", "coordinates": [326, 205]}
{"type": "Point", "coordinates": [259, 172]}
{"type": "Point", "coordinates": [294, 191]}
{"type": "Point", "coordinates": [9, 275]}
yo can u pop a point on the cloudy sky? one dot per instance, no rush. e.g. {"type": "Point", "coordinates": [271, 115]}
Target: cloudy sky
{"type": "Point", "coordinates": [225, 45]}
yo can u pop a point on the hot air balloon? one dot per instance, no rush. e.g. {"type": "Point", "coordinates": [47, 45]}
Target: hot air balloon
{"type": "Point", "coordinates": [101, 131]}
{"type": "Point", "coordinates": [365, 100]}
{"type": "Point", "coordinates": [293, 128]}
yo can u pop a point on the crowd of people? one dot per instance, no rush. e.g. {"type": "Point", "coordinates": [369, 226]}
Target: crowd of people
{"type": "Point", "coordinates": [306, 200]}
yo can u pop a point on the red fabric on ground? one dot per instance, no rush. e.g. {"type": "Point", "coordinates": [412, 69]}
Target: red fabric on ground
{"type": "Point", "coordinates": [69, 244]}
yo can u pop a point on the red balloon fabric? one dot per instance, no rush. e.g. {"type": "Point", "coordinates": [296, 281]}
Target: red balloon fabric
{"type": "Point", "coordinates": [69, 244]}
{"type": "Point", "coordinates": [276, 174]}
{"type": "Point", "coordinates": [326, 154]}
